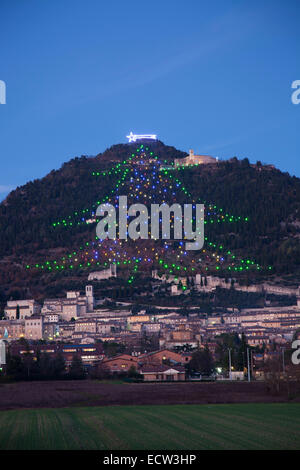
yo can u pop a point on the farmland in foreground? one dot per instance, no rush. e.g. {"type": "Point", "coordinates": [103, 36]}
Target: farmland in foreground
{"type": "Point", "coordinates": [227, 426]}
{"type": "Point", "coordinates": [81, 393]}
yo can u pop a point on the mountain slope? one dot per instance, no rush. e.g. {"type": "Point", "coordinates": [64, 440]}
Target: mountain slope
{"type": "Point", "coordinates": [252, 211]}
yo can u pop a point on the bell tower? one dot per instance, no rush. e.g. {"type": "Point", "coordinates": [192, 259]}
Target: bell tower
{"type": "Point", "coordinates": [298, 297]}
{"type": "Point", "coordinates": [89, 298]}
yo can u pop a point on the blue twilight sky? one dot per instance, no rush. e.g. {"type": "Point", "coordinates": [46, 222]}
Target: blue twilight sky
{"type": "Point", "coordinates": [212, 75]}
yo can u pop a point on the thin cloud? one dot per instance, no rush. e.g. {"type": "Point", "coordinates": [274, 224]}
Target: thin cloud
{"type": "Point", "coordinates": [223, 31]}
{"type": "Point", "coordinates": [221, 145]}
{"type": "Point", "coordinates": [242, 137]}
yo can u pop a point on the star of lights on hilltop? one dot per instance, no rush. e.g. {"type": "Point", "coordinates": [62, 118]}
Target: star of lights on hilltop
{"type": "Point", "coordinates": [143, 181]}
{"type": "Point", "coordinates": [134, 137]}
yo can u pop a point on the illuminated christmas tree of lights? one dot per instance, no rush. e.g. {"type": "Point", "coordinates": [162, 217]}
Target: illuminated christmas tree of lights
{"type": "Point", "coordinates": [143, 178]}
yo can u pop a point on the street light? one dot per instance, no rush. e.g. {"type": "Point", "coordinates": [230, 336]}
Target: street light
{"type": "Point", "coordinates": [248, 365]}
{"type": "Point", "coordinates": [229, 358]}
{"type": "Point", "coordinates": [283, 364]}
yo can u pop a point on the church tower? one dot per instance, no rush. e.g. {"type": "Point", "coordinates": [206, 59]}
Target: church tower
{"type": "Point", "coordinates": [113, 270]}
{"type": "Point", "coordinates": [89, 298]}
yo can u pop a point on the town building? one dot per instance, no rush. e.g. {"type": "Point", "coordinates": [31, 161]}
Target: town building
{"type": "Point", "coordinates": [179, 338]}
{"type": "Point", "coordinates": [120, 363]}
{"type": "Point", "coordinates": [34, 327]}
{"type": "Point", "coordinates": [162, 356]}
{"type": "Point", "coordinates": [12, 329]}
{"type": "Point", "coordinates": [90, 354]}
{"type": "Point", "coordinates": [73, 306]}
{"type": "Point", "coordinates": [157, 373]}
{"type": "Point", "coordinates": [21, 309]}
{"type": "Point", "coordinates": [50, 331]}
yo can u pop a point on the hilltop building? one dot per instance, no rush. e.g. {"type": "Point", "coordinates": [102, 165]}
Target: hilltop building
{"type": "Point", "coordinates": [104, 274]}
{"type": "Point", "coordinates": [193, 159]}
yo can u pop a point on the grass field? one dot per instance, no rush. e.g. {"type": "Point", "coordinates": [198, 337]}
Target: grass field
{"type": "Point", "coordinates": [238, 426]}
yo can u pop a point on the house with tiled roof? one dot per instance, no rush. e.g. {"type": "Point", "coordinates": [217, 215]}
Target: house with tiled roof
{"type": "Point", "coordinates": [157, 373]}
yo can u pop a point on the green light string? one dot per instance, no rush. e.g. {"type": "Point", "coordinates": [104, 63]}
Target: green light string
{"type": "Point", "coordinates": [57, 266]}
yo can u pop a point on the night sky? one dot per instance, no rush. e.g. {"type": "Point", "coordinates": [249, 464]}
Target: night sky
{"type": "Point", "coordinates": [214, 76]}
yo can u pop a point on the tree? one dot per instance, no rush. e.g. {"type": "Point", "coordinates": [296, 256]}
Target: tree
{"type": "Point", "coordinates": [14, 366]}
{"type": "Point", "coordinates": [59, 365]}
{"type": "Point", "coordinates": [132, 372]}
{"type": "Point", "coordinates": [241, 360]}
{"type": "Point", "coordinates": [44, 365]}
{"type": "Point", "coordinates": [76, 370]}
{"type": "Point", "coordinates": [149, 342]}
{"type": "Point", "coordinates": [296, 334]}
{"type": "Point", "coordinates": [28, 364]}
{"type": "Point", "coordinates": [273, 375]}
{"type": "Point", "coordinates": [245, 163]}
{"type": "Point", "coordinates": [238, 347]}
{"type": "Point", "coordinates": [135, 309]}
{"type": "Point", "coordinates": [112, 349]}
{"type": "Point", "coordinates": [202, 361]}
{"type": "Point", "coordinates": [100, 371]}
{"type": "Point", "coordinates": [23, 342]}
